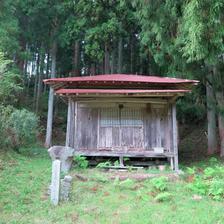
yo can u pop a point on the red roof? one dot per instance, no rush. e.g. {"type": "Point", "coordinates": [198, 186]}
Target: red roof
{"type": "Point", "coordinates": [119, 91]}
{"type": "Point", "coordinates": [121, 78]}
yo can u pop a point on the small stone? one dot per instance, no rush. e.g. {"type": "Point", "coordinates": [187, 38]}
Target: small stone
{"type": "Point", "coordinates": [162, 167]}
{"type": "Point", "coordinates": [65, 188]}
{"type": "Point", "coordinates": [196, 197]}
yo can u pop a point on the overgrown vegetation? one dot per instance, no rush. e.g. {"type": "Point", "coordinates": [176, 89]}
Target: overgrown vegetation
{"type": "Point", "coordinates": [18, 128]}
{"type": "Point", "coordinates": [81, 162]}
{"type": "Point", "coordinates": [208, 181]}
{"type": "Point", "coordinates": [103, 198]}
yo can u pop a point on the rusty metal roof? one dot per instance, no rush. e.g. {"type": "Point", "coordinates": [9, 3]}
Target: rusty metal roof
{"type": "Point", "coordinates": [118, 78]}
{"type": "Point", "coordinates": [118, 91]}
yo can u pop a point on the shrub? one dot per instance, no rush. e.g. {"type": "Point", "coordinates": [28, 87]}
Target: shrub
{"type": "Point", "coordinates": [17, 127]}
{"type": "Point", "coordinates": [10, 81]}
{"type": "Point", "coordinates": [163, 196]}
{"type": "Point", "coordinates": [160, 183]}
{"type": "Point", "coordinates": [81, 162]}
{"type": "Point", "coordinates": [199, 186]}
{"type": "Point", "coordinates": [216, 189]}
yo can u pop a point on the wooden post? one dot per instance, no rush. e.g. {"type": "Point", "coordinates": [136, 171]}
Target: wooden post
{"type": "Point", "coordinates": [55, 182]}
{"type": "Point", "coordinates": [121, 160]}
{"type": "Point", "coordinates": [75, 136]}
{"type": "Point", "coordinates": [175, 147]}
{"type": "Point", "coordinates": [158, 128]}
{"type": "Point", "coordinates": [70, 123]}
{"type": "Point", "coordinates": [68, 130]}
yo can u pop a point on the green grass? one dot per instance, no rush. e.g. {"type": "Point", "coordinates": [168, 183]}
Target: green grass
{"type": "Point", "coordinates": [24, 179]}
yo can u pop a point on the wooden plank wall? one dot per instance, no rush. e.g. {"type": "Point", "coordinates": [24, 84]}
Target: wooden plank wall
{"type": "Point", "coordinates": [156, 130]}
{"type": "Point", "coordinates": [87, 126]}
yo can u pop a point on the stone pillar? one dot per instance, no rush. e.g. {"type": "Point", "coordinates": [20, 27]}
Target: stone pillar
{"type": "Point", "coordinates": [55, 182]}
{"type": "Point", "coordinates": [64, 154]}
{"type": "Point", "coordinates": [65, 188]}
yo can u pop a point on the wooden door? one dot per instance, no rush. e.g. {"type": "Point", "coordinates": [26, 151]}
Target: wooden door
{"type": "Point", "coordinates": [121, 128]}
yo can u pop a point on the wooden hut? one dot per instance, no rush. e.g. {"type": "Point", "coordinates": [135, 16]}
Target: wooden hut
{"type": "Point", "coordinates": [121, 115]}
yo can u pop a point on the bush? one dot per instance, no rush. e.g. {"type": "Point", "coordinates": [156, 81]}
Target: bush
{"type": "Point", "coordinates": [160, 183]}
{"type": "Point", "coordinates": [163, 196]}
{"type": "Point", "coordinates": [81, 162]}
{"type": "Point", "coordinates": [17, 127]}
{"type": "Point", "coordinates": [210, 182]}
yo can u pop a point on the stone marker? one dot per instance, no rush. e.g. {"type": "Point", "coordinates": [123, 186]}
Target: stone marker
{"type": "Point", "coordinates": [64, 154]}
{"type": "Point", "coordinates": [65, 188]}
{"type": "Point", "coordinates": [55, 181]}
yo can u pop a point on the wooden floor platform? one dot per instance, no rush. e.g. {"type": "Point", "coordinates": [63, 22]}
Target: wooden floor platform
{"type": "Point", "coordinates": [147, 154]}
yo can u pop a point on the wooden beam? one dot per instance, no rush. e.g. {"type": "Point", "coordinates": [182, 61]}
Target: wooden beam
{"type": "Point", "coordinates": [123, 154]}
{"type": "Point", "coordinates": [123, 99]}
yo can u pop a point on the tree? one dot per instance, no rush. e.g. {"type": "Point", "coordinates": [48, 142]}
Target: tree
{"type": "Point", "coordinates": [202, 33]}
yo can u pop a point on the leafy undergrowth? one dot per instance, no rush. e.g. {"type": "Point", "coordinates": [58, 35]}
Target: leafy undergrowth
{"type": "Point", "coordinates": [24, 179]}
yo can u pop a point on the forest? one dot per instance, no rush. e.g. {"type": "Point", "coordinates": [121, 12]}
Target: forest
{"type": "Point", "coordinates": [41, 39]}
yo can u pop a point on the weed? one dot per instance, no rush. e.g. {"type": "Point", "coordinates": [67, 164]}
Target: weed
{"type": "Point", "coordinates": [163, 196]}
{"type": "Point", "coordinates": [81, 162]}
{"type": "Point", "coordinates": [216, 189]}
{"type": "Point", "coordinates": [198, 186]}
{"type": "Point", "coordinates": [104, 164]}
{"type": "Point", "coordinates": [160, 183]}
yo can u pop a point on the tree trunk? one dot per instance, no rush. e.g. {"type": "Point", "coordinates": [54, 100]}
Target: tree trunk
{"type": "Point", "coordinates": [76, 71]}
{"type": "Point", "coordinates": [93, 69]}
{"type": "Point", "coordinates": [211, 118]}
{"type": "Point", "coordinates": [47, 70]}
{"type": "Point", "coordinates": [113, 66]}
{"type": "Point", "coordinates": [220, 101]}
{"type": "Point", "coordinates": [40, 80]}
{"type": "Point", "coordinates": [106, 60]}
{"type": "Point", "coordinates": [131, 55]}
{"type": "Point", "coordinates": [120, 58]}
{"type": "Point", "coordinates": [36, 78]}
{"type": "Point", "coordinates": [48, 140]}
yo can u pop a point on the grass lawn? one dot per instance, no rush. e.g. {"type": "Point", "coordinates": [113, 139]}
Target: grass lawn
{"type": "Point", "coordinates": [24, 179]}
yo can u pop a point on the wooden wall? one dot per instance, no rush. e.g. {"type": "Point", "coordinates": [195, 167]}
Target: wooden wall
{"type": "Point", "coordinates": [121, 126]}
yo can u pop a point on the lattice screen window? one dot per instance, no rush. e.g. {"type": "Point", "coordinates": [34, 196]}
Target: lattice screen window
{"type": "Point", "coordinates": [121, 117]}
{"type": "Point", "coordinates": [109, 117]}
{"type": "Point", "coordinates": [131, 117]}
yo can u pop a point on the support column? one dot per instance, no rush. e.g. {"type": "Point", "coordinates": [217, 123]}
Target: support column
{"type": "Point", "coordinates": [70, 123]}
{"type": "Point", "coordinates": [174, 133]}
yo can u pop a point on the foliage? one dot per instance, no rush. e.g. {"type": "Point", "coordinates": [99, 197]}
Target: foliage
{"type": "Point", "coordinates": [9, 80]}
{"type": "Point", "coordinates": [198, 186]}
{"type": "Point", "coordinates": [81, 162]}
{"type": "Point", "coordinates": [18, 127]}
{"type": "Point", "coordinates": [216, 189]}
{"type": "Point", "coordinates": [125, 184]}
{"type": "Point", "coordinates": [23, 197]}
{"type": "Point", "coordinates": [160, 183]}
{"type": "Point", "coordinates": [163, 196]}
{"type": "Point", "coordinates": [209, 182]}
{"type": "Point", "coordinates": [104, 164]}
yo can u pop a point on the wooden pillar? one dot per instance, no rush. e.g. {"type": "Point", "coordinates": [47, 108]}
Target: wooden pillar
{"type": "Point", "coordinates": [174, 133]}
{"type": "Point", "coordinates": [75, 136]}
{"type": "Point", "coordinates": [158, 128]}
{"type": "Point", "coordinates": [70, 123]}
{"type": "Point", "coordinates": [121, 160]}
